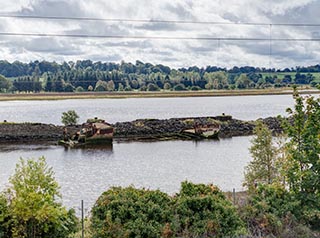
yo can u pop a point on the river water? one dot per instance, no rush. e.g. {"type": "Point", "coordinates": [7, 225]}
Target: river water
{"type": "Point", "coordinates": [86, 173]}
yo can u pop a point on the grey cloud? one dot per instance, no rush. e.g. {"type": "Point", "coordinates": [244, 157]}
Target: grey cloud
{"type": "Point", "coordinates": [180, 11]}
{"type": "Point", "coordinates": [53, 8]}
{"type": "Point", "coordinates": [173, 52]}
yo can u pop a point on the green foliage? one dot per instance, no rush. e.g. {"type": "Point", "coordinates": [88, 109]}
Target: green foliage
{"type": "Point", "coordinates": [197, 211]}
{"type": "Point", "coordinates": [203, 211]}
{"type": "Point", "coordinates": [31, 207]}
{"type": "Point", "coordinates": [242, 81]}
{"type": "Point", "coordinates": [137, 76]}
{"type": "Point", "coordinates": [303, 154]}
{"type": "Point", "coordinates": [5, 217]}
{"type": "Point", "coordinates": [262, 169]}
{"type": "Point", "coordinates": [179, 87]}
{"type": "Point", "coordinates": [80, 89]}
{"type": "Point", "coordinates": [101, 86]}
{"type": "Point", "coordinates": [271, 211]}
{"type": "Point", "coordinates": [69, 118]}
{"type": "Point", "coordinates": [68, 87]}
{"type": "Point", "coordinates": [130, 212]}
{"type": "Point", "coordinates": [5, 84]}
{"type": "Point", "coordinates": [152, 87]}
{"type": "Point", "coordinates": [216, 80]}
{"type": "Point", "coordinates": [167, 86]}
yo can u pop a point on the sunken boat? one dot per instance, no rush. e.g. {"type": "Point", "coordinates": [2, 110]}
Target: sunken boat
{"type": "Point", "coordinates": [199, 132]}
{"type": "Point", "coordinates": [93, 132]}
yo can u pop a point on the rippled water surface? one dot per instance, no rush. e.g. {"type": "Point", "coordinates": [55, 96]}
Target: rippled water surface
{"type": "Point", "coordinates": [114, 110]}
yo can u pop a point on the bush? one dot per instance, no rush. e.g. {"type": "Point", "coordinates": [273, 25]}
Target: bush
{"type": "Point", "coordinates": [203, 211]}
{"type": "Point", "coordinates": [69, 118]}
{"type": "Point", "coordinates": [271, 211]}
{"type": "Point", "coordinates": [129, 212]}
{"type": "Point", "coordinates": [197, 211]}
{"type": "Point", "coordinates": [5, 217]}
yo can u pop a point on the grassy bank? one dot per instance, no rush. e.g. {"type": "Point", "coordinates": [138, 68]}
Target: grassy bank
{"type": "Point", "coordinates": [139, 94]}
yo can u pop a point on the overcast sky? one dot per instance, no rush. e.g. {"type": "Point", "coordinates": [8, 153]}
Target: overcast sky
{"type": "Point", "coordinates": [174, 53]}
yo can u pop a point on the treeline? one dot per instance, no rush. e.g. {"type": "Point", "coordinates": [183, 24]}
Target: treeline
{"type": "Point", "coordinates": [97, 76]}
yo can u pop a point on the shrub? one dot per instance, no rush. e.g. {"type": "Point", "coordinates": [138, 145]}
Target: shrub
{"type": "Point", "coordinates": [197, 211]}
{"type": "Point", "coordinates": [271, 210]}
{"type": "Point", "coordinates": [203, 211]}
{"type": "Point", "coordinates": [69, 118]}
{"type": "Point", "coordinates": [5, 217]}
{"type": "Point", "coordinates": [129, 212]}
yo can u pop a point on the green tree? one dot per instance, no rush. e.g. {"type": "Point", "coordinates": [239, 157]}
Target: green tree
{"type": "Point", "coordinates": [262, 169]}
{"type": "Point", "coordinates": [49, 84]}
{"type": "Point", "coordinates": [152, 87]}
{"type": "Point", "coordinates": [167, 86]}
{"type": "Point", "coordinates": [242, 81]}
{"type": "Point", "coordinates": [5, 84]}
{"type": "Point", "coordinates": [120, 87]}
{"type": "Point", "coordinates": [179, 87]}
{"type": "Point", "coordinates": [110, 85]}
{"type": "Point", "coordinates": [33, 205]}
{"type": "Point", "coordinates": [69, 118]}
{"type": "Point", "coordinates": [101, 86]}
{"type": "Point", "coordinates": [303, 174]}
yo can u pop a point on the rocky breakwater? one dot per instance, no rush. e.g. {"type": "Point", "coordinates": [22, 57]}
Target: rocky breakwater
{"type": "Point", "coordinates": [31, 132]}
{"type": "Point", "coordinates": [142, 129]}
{"type": "Point", "coordinates": [234, 127]}
{"type": "Point", "coordinates": [171, 128]}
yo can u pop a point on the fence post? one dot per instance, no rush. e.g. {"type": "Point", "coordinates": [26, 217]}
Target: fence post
{"type": "Point", "coordinates": [234, 196]}
{"type": "Point", "coordinates": [82, 219]}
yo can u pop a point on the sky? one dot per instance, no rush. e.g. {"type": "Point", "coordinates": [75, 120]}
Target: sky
{"type": "Point", "coordinates": [175, 53]}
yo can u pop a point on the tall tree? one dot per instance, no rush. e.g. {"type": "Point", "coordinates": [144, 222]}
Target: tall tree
{"type": "Point", "coordinates": [304, 150]}
{"type": "Point", "coordinates": [32, 199]}
{"type": "Point", "coordinates": [262, 169]}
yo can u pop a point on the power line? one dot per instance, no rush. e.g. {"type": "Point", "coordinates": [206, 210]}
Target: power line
{"type": "Point", "coordinates": [158, 21]}
{"type": "Point", "coordinates": [154, 37]}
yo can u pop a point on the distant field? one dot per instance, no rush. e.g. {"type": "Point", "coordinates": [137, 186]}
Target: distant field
{"type": "Point", "coordinates": [292, 74]}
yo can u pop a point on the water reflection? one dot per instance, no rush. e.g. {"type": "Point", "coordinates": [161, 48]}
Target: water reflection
{"type": "Point", "coordinates": [107, 148]}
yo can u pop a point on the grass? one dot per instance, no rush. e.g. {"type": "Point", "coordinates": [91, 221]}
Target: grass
{"type": "Point", "coordinates": [138, 94]}
{"type": "Point", "coordinates": [281, 75]}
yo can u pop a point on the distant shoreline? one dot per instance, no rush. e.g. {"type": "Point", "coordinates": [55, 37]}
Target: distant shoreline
{"type": "Point", "coordinates": [160, 94]}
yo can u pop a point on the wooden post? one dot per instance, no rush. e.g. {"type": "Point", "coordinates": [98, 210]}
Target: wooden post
{"type": "Point", "coordinates": [234, 196]}
{"type": "Point", "coordinates": [82, 219]}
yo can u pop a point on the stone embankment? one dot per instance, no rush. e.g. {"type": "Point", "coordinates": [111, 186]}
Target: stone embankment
{"type": "Point", "coordinates": [136, 130]}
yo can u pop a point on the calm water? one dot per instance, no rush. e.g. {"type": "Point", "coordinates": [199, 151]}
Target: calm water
{"type": "Point", "coordinates": [86, 173]}
{"type": "Point", "coordinates": [114, 110]}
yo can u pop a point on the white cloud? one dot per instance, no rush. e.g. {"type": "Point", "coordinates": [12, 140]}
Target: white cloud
{"type": "Point", "coordinates": [175, 53]}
